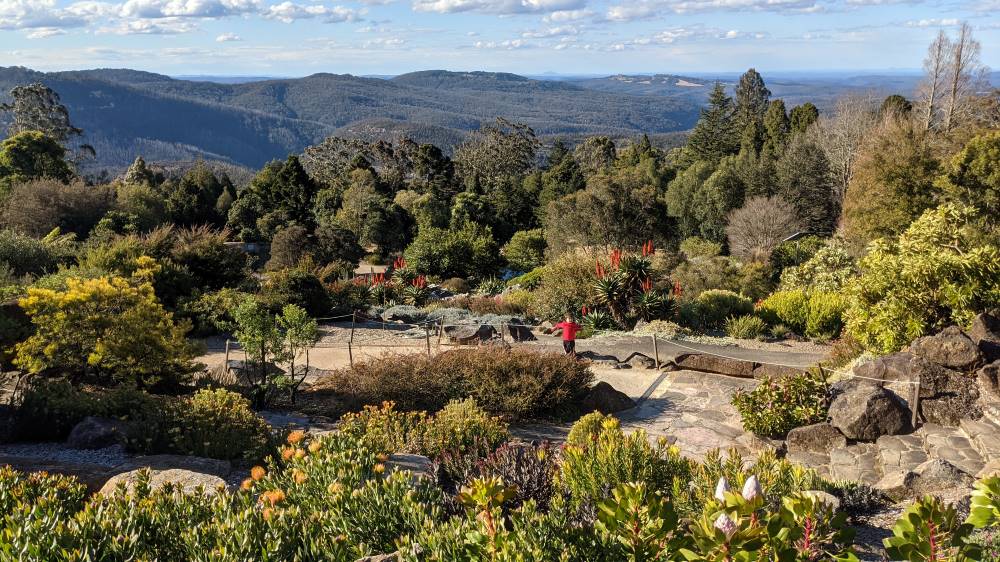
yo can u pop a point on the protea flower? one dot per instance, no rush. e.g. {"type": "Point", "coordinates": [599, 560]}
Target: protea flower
{"type": "Point", "coordinates": [726, 525]}
{"type": "Point", "coordinates": [751, 489]}
{"type": "Point", "coordinates": [721, 488]}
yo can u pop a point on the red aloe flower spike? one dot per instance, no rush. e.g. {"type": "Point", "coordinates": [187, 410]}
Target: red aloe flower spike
{"type": "Point", "coordinates": [599, 269]}
{"type": "Point", "coordinates": [616, 258]}
{"type": "Point", "coordinates": [647, 285]}
{"type": "Point", "coordinates": [677, 289]}
{"type": "Point", "coordinates": [585, 310]}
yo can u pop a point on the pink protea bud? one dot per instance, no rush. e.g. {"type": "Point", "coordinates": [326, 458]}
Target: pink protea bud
{"type": "Point", "coordinates": [751, 489]}
{"type": "Point", "coordinates": [726, 525]}
{"type": "Point", "coordinates": [721, 488]}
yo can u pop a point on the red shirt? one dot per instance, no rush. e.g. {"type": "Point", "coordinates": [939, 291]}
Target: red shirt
{"type": "Point", "coordinates": [569, 330]}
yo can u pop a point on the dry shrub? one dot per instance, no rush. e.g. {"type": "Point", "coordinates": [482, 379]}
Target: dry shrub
{"type": "Point", "coordinates": [516, 384]}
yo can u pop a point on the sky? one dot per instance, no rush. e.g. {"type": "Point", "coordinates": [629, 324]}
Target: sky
{"type": "Point", "coordinates": [369, 37]}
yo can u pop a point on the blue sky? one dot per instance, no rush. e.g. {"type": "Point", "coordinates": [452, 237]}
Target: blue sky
{"type": "Point", "coordinates": [300, 37]}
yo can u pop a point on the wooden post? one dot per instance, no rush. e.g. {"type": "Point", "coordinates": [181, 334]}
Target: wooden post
{"type": "Point", "coordinates": [656, 353]}
{"type": "Point", "coordinates": [427, 338]}
{"type": "Point", "coordinates": [226, 369]}
{"type": "Point", "coordinates": [440, 331]}
{"type": "Point", "coordinates": [502, 339]}
{"type": "Point", "coordinates": [350, 342]}
{"type": "Point", "coordinates": [915, 404]}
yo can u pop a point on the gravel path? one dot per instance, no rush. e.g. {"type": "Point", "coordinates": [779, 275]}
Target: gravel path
{"type": "Point", "coordinates": [108, 456]}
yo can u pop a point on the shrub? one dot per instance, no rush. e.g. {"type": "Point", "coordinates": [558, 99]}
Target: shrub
{"type": "Point", "coordinates": [588, 471]}
{"type": "Point", "coordinates": [24, 255]}
{"type": "Point", "coordinates": [295, 286]}
{"type": "Point", "coordinates": [825, 319]}
{"type": "Point", "coordinates": [526, 250]}
{"type": "Point", "coordinates": [512, 383]}
{"type": "Point", "coordinates": [109, 330]}
{"type": "Point", "coordinates": [456, 285]}
{"type": "Point", "coordinates": [211, 313]}
{"type": "Point", "coordinates": [713, 307]}
{"type": "Point", "coordinates": [698, 275]}
{"type": "Point", "coordinates": [527, 468]}
{"type": "Point", "coordinates": [529, 281]}
{"type": "Point", "coordinates": [469, 252]}
{"type": "Point", "coordinates": [565, 285]}
{"type": "Point", "coordinates": [794, 252]}
{"type": "Point", "coordinates": [697, 247]}
{"type": "Point", "coordinates": [482, 305]}
{"type": "Point", "coordinates": [458, 427]}
{"type": "Point", "coordinates": [490, 286]}
{"type": "Point", "coordinates": [747, 327]}
{"type": "Point", "coordinates": [934, 274]}
{"type": "Point", "coordinates": [595, 322]}
{"type": "Point", "coordinates": [777, 406]}
{"type": "Point", "coordinates": [347, 297]}
{"type": "Point", "coordinates": [829, 269]}
{"type": "Point", "coordinates": [586, 429]}
{"type": "Point", "coordinates": [790, 308]}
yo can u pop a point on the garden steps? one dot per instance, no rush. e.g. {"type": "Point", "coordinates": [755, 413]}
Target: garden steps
{"type": "Point", "coordinates": [858, 463]}
{"type": "Point", "coordinates": [900, 453]}
{"type": "Point", "coordinates": [985, 437]}
{"type": "Point", "coordinates": [952, 445]}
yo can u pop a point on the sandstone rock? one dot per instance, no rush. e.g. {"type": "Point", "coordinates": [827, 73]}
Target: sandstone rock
{"type": "Point", "coordinates": [518, 331]}
{"type": "Point", "coordinates": [95, 433]}
{"type": "Point", "coordinates": [816, 438]}
{"type": "Point", "coordinates": [470, 333]}
{"type": "Point", "coordinates": [949, 348]}
{"type": "Point", "coordinates": [888, 368]}
{"type": "Point", "coordinates": [938, 475]}
{"type": "Point", "coordinates": [640, 361]}
{"type": "Point", "coordinates": [863, 410]}
{"type": "Point", "coordinates": [715, 364]}
{"type": "Point", "coordinates": [988, 380]}
{"type": "Point", "coordinates": [765, 371]}
{"type": "Point", "coordinates": [392, 557]}
{"type": "Point", "coordinates": [991, 468]}
{"type": "Point", "coordinates": [985, 332]}
{"type": "Point", "coordinates": [824, 497]}
{"type": "Point", "coordinates": [404, 313]}
{"type": "Point", "coordinates": [606, 399]}
{"type": "Point", "coordinates": [897, 485]}
{"type": "Point", "coordinates": [419, 466]}
{"type": "Point", "coordinates": [215, 467]}
{"type": "Point", "coordinates": [188, 481]}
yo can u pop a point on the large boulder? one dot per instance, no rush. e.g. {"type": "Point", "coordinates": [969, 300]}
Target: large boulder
{"type": "Point", "coordinates": [518, 331]}
{"type": "Point", "coordinates": [215, 467]}
{"type": "Point", "coordinates": [766, 371]}
{"type": "Point", "coordinates": [985, 332]}
{"type": "Point", "coordinates": [187, 481]}
{"type": "Point", "coordinates": [887, 368]}
{"type": "Point", "coordinates": [949, 410]}
{"type": "Point", "coordinates": [949, 348]}
{"type": "Point", "coordinates": [469, 334]}
{"type": "Point", "coordinates": [935, 476]}
{"type": "Point", "coordinates": [640, 361]}
{"type": "Point", "coordinates": [715, 364]}
{"type": "Point", "coordinates": [419, 466]}
{"type": "Point", "coordinates": [815, 438]}
{"type": "Point", "coordinates": [863, 410]}
{"type": "Point", "coordinates": [95, 433]}
{"type": "Point", "coordinates": [606, 399]}
{"type": "Point", "coordinates": [405, 314]}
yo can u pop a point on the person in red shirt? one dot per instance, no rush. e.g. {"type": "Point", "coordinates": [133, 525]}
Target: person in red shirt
{"type": "Point", "coordinates": [569, 329]}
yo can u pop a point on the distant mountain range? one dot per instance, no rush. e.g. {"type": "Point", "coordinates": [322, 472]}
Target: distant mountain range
{"type": "Point", "coordinates": [248, 121]}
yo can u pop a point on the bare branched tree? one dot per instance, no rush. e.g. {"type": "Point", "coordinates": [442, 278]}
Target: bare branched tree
{"type": "Point", "coordinates": [965, 75]}
{"type": "Point", "coordinates": [842, 134]}
{"type": "Point", "coordinates": [932, 86]}
{"type": "Point", "coordinates": [756, 229]}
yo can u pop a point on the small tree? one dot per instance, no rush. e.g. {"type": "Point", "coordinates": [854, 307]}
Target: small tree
{"type": "Point", "coordinates": [269, 340]}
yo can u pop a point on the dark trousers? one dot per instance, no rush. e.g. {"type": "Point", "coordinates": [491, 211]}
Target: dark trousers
{"type": "Point", "coordinates": [569, 346]}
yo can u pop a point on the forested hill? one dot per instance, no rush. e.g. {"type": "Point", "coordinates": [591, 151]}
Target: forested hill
{"type": "Point", "coordinates": [126, 112]}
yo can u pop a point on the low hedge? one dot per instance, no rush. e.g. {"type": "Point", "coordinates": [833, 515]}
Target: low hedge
{"type": "Point", "coordinates": [515, 384]}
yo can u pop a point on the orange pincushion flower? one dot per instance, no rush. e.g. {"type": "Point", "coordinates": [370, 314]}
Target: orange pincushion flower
{"type": "Point", "coordinates": [273, 497]}
{"type": "Point", "coordinates": [296, 436]}
{"type": "Point", "coordinates": [300, 453]}
{"type": "Point", "coordinates": [298, 476]}
{"type": "Point", "coordinates": [287, 453]}
{"type": "Point", "coordinates": [315, 446]}
{"type": "Point", "coordinates": [247, 484]}
{"type": "Point", "coordinates": [335, 488]}
{"type": "Point", "coordinates": [257, 472]}
{"type": "Point", "coordinates": [379, 468]}
{"type": "Point", "coordinates": [268, 513]}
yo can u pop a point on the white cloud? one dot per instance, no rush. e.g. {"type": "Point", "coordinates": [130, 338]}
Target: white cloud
{"type": "Point", "coordinates": [161, 26]}
{"type": "Point", "coordinates": [498, 6]}
{"type": "Point", "coordinates": [188, 8]}
{"type": "Point", "coordinates": [383, 43]}
{"type": "Point", "coordinates": [289, 12]}
{"type": "Point", "coordinates": [645, 9]}
{"type": "Point", "coordinates": [695, 33]}
{"type": "Point", "coordinates": [508, 45]}
{"type": "Point", "coordinates": [44, 32]}
{"type": "Point", "coordinates": [560, 16]}
{"type": "Point", "coordinates": [227, 37]}
{"type": "Point", "coordinates": [933, 22]}
{"type": "Point", "coordinates": [34, 14]}
{"type": "Point", "coordinates": [558, 31]}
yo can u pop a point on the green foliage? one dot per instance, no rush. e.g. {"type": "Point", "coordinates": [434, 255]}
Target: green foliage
{"type": "Point", "coordinates": [515, 383]}
{"type": "Point", "coordinates": [828, 269]}
{"type": "Point", "coordinates": [566, 284]}
{"type": "Point", "coordinates": [776, 406]}
{"type": "Point", "coordinates": [526, 250]}
{"type": "Point", "coordinates": [935, 274]}
{"type": "Point", "coordinates": [31, 155]}
{"type": "Point", "coordinates": [24, 255]}
{"type": "Point", "coordinates": [300, 287]}
{"type": "Point", "coordinates": [985, 508]}
{"type": "Point", "coordinates": [212, 313]}
{"type": "Point", "coordinates": [711, 308]}
{"type": "Point", "coordinates": [528, 281]}
{"type": "Point", "coordinates": [640, 522]}
{"type": "Point", "coordinates": [790, 308]}
{"type": "Point", "coordinates": [597, 321]}
{"type": "Point", "coordinates": [972, 178]}
{"type": "Point", "coordinates": [469, 252]}
{"type": "Point", "coordinates": [930, 530]}
{"type": "Point", "coordinates": [697, 247]}
{"type": "Point", "coordinates": [593, 467]}
{"type": "Point", "coordinates": [490, 286]}
{"type": "Point", "coordinates": [108, 330]}
{"type": "Point", "coordinates": [794, 252]}
{"type": "Point", "coordinates": [826, 315]}
{"type": "Point", "coordinates": [586, 429]}
{"type": "Point", "coordinates": [746, 327]}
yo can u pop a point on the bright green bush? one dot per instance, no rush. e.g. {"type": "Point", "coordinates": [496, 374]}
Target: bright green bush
{"type": "Point", "coordinates": [790, 308]}
{"type": "Point", "coordinates": [211, 313]}
{"type": "Point", "coordinates": [526, 250]}
{"type": "Point", "coordinates": [460, 426]}
{"type": "Point", "coordinates": [826, 315]}
{"type": "Point", "coordinates": [936, 273]}
{"type": "Point", "coordinates": [747, 327]}
{"type": "Point", "coordinates": [697, 247]}
{"type": "Point", "coordinates": [829, 269]}
{"type": "Point", "coordinates": [490, 286]}
{"type": "Point", "coordinates": [530, 280]}
{"type": "Point", "coordinates": [295, 286]}
{"type": "Point", "coordinates": [776, 406]}
{"type": "Point", "coordinates": [469, 252]}
{"type": "Point", "coordinates": [565, 286]}
{"type": "Point", "coordinates": [586, 429]}
{"type": "Point", "coordinates": [711, 308]}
